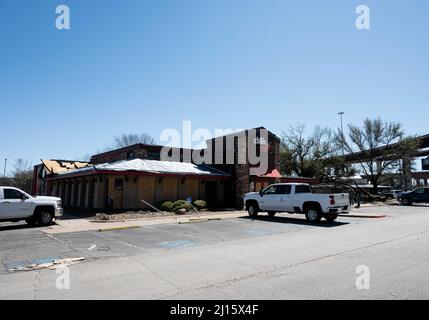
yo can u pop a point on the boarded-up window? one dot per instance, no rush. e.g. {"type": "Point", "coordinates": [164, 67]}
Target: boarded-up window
{"type": "Point", "coordinates": [119, 184]}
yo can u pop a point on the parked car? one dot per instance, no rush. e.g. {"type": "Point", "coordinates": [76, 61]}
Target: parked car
{"type": "Point", "coordinates": [16, 205]}
{"type": "Point", "coordinates": [418, 195]}
{"type": "Point", "coordinates": [393, 194]}
{"type": "Point", "coordinates": [297, 198]}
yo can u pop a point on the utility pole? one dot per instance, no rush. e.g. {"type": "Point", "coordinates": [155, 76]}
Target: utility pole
{"type": "Point", "coordinates": [5, 164]}
{"type": "Point", "coordinates": [341, 113]}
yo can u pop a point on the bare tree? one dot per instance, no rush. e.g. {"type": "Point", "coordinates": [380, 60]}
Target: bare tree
{"type": "Point", "coordinates": [310, 156]}
{"type": "Point", "coordinates": [381, 148]}
{"type": "Point", "coordinates": [126, 140]}
{"type": "Point", "coordinates": [22, 174]}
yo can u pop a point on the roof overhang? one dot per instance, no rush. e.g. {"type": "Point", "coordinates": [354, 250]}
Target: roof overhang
{"type": "Point", "coordinates": [140, 167]}
{"type": "Point", "coordinates": [134, 173]}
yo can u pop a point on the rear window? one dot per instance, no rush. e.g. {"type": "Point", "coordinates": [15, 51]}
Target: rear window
{"type": "Point", "coordinates": [302, 189]}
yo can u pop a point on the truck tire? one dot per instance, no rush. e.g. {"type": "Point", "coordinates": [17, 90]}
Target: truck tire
{"type": "Point", "coordinates": [271, 213]}
{"type": "Point", "coordinates": [44, 217]}
{"type": "Point", "coordinates": [313, 214]}
{"type": "Point", "coordinates": [406, 202]}
{"type": "Point", "coordinates": [31, 221]}
{"type": "Point", "coordinates": [331, 217]}
{"type": "Point", "coordinates": [253, 209]}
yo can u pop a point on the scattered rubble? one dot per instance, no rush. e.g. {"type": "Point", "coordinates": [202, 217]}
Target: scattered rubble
{"type": "Point", "coordinates": [102, 216]}
{"type": "Point", "coordinates": [54, 264]}
{"type": "Point", "coordinates": [180, 211]}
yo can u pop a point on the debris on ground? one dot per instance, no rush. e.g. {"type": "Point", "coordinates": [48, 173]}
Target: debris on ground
{"type": "Point", "coordinates": [181, 211]}
{"type": "Point", "coordinates": [54, 264]}
{"type": "Point", "coordinates": [102, 216]}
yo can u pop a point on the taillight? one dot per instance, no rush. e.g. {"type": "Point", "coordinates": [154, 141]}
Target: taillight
{"type": "Point", "coordinates": [332, 200]}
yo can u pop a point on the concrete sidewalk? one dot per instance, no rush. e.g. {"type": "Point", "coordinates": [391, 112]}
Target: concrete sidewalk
{"type": "Point", "coordinates": [77, 225]}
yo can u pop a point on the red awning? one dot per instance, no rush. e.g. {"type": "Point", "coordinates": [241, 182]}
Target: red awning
{"type": "Point", "coordinates": [272, 174]}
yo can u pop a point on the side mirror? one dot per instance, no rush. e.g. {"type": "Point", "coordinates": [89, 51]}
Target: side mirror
{"type": "Point", "coordinates": [24, 197]}
{"type": "Point", "coordinates": [261, 193]}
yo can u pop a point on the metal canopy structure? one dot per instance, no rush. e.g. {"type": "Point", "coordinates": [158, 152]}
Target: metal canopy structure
{"type": "Point", "coordinates": [361, 156]}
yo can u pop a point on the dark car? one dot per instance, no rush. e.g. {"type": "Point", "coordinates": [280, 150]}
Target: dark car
{"type": "Point", "coordinates": [415, 196]}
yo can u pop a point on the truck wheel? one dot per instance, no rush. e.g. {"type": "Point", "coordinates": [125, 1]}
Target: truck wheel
{"type": "Point", "coordinates": [31, 221]}
{"type": "Point", "coordinates": [313, 214]}
{"type": "Point", "coordinates": [253, 210]}
{"type": "Point", "coordinates": [271, 213]}
{"type": "Point", "coordinates": [406, 202]}
{"type": "Point", "coordinates": [331, 217]}
{"type": "Point", "coordinates": [44, 218]}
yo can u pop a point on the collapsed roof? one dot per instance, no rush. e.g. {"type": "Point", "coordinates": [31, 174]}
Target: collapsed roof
{"type": "Point", "coordinates": [60, 166]}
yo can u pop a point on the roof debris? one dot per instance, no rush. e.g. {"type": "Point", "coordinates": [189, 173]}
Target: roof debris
{"type": "Point", "coordinates": [52, 265]}
{"type": "Point", "coordinates": [59, 166]}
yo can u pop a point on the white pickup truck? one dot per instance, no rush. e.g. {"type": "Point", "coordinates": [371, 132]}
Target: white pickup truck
{"type": "Point", "coordinates": [297, 198]}
{"type": "Point", "coordinates": [16, 205]}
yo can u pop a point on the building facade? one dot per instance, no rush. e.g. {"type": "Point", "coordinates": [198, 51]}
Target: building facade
{"type": "Point", "coordinates": [141, 175]}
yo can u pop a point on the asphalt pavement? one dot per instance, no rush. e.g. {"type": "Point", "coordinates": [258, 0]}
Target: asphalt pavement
{"type": "Point", "coordinates": [283, 257]}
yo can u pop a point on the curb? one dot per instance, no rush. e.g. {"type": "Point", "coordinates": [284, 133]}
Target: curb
{"type": "Point", "coordinates": [199, 220]}
{"type": "Point", "coordinates": [119, 228]}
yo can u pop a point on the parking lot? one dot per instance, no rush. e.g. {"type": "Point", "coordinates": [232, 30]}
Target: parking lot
{"type": "Point", "coordinates": [269, 258]}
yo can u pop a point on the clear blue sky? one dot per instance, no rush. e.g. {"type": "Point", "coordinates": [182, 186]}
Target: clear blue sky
{"type": "Point", "coordinates": [143, 66]}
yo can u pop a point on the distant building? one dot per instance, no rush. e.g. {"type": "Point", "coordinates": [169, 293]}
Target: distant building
{"type": "Point", "coordinates": [425, 164]}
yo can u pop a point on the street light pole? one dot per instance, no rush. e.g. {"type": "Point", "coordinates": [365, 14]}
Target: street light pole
{"type": "Point", "coordinates": [5, 164]}
{"type": "Point", "coordinates": [341, 113]}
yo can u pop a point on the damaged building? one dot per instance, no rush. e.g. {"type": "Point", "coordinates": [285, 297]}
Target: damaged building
{"type": "Point", "coordinates": [120, 179]}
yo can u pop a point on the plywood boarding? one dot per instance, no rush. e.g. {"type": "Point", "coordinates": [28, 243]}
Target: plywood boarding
{"type": "Point", "coordinates": [189, 189]}
{"type": "Point", "coordinates": [115, 194]}
{"type": "Point", "coordinates": [146, 190]}
{"type": "Point", "coordinates": [167, 189]}
{"type": "Point", "coordinates": [131, 196]}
